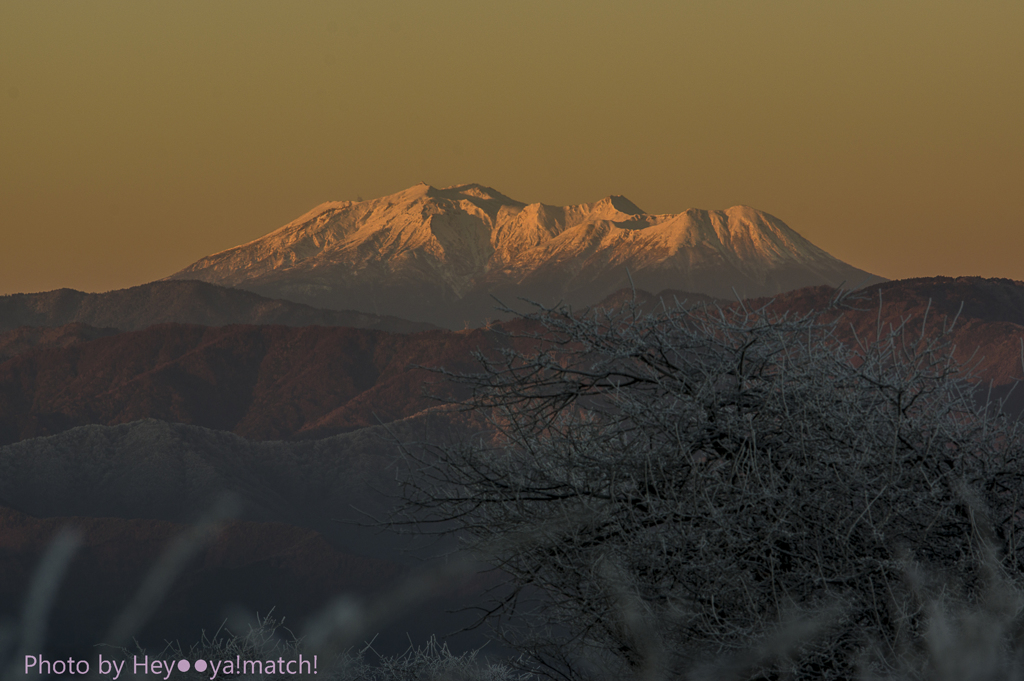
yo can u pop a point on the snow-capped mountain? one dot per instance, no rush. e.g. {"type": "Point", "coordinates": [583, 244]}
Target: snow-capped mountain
{"type": "Point", "coordinates": [439, 255]}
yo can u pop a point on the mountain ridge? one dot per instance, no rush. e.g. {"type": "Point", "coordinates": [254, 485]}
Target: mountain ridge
{"type": "Point", "coordinates": [273, 382]}
{"type": "Point", "coordinates": [440, 255]}
{"type": "Point", "coordinates": [182, 302]}
{"type": "Point", "coordinates": [262, 382]}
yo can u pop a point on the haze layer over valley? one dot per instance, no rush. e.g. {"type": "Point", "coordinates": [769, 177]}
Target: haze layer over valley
{"type": "Point", "coordinates": [443, 255]}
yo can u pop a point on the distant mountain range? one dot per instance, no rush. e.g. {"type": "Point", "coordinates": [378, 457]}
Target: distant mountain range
{"type": "Point", "coordinates": [988, 315]}
{"type": "Point", "coordinates": [261, 382]}
{"type": "Point", "coordinates": [443, 255]}
{"type": "Point", "coordinates": [268, 382]}
{"type": "Point", "coordinates": [182, 302]}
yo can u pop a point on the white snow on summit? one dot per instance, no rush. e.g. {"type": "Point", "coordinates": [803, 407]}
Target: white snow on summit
{"type": "Point", "coordinates": [438, 254]}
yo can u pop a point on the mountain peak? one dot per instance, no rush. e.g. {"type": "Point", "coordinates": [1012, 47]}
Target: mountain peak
{"type": "Point", "coordinates": [440, 255]}
{"type": "Point", "coordinates": [621, 204]}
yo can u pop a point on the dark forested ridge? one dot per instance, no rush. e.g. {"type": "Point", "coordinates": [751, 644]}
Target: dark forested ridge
{"type": "Point", "coordinates": [277, 382]}
{"type": "Point", "coordinates": [25, 338]}
{"type": "Point", "coordinates": [989, 313]}
{"type": "Point", "coordinates": [261, 382]}
{"type": "Point", "coordinates": [184, 302]}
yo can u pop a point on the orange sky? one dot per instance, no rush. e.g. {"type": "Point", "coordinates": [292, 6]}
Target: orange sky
{"type": "Point", "coordinates": [137, 137]}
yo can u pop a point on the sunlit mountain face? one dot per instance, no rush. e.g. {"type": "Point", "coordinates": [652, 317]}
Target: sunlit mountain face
{"type": "Point", "coordinates": [444, 255]}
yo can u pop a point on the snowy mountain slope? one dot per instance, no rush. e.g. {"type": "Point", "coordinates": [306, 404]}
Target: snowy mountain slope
{"type": "Point", "coordinates": [439, 255]}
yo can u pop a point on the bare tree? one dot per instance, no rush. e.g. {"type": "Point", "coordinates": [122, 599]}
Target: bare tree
{"type": "Point", "coordinates": [679, 485]}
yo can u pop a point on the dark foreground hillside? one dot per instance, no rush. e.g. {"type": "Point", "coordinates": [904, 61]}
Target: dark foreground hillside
{"type": "Point", "coordinates": [256, 566]}
{"type": "Point", "coordinates": [300, 536]}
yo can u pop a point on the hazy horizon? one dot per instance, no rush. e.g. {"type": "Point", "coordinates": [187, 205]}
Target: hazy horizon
{"type": "Point", "coordinates": [139, 138]}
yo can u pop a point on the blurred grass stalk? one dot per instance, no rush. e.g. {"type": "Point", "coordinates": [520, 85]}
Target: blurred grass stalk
{"type": "Point", "coordinates": [980, 641]}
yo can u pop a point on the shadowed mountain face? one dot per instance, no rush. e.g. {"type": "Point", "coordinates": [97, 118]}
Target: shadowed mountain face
{"type": "Point", "coordinates": [261, 382]}
{"type": "Point", "coordinates": [274, 382]}
{"type": "Point", "coordinates": [175, 472]}
{"type": "Point", "coordinates": [988, 300]}
{"type": "Point", "coordinates": [25, 338]}
{"type": "Point", "coordinates": [184, 302]}
{"type": "Point", "coordinates": [987, 317]}
{"type": "Point", "coordinates": [439, 255]}
{"type": "Point", "coordinates": [989, 314]}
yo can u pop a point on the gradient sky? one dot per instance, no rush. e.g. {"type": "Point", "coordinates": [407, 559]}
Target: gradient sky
{"type": "Point", "coordinates": [136, 137]}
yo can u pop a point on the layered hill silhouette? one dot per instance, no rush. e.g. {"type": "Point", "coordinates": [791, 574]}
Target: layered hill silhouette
{"type": "Point", "coordinates": [175, 472]}
{"type": "Point", "coordinates": [131, 434]}
{"type": "Point", "coordinates": [25, 338]}
{"type": "Point", "coordinates": [261, 382]}
{"type": "Point", "coordinates": [987, 315]}
{"type": "Point", "coordinates": [276, 382]}
{"type": "Point", "coordinates": [443, 255]}
{"type": "Point", "coordinates": [305, 533]}
{"type": "Point", "coordinates": [988, 300]}
{"type": "Point", "coordinates": [183, 302]}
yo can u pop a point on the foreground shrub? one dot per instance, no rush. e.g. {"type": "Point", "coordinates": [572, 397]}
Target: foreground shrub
{"type": "Point", "coordinates": [702, 482]}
